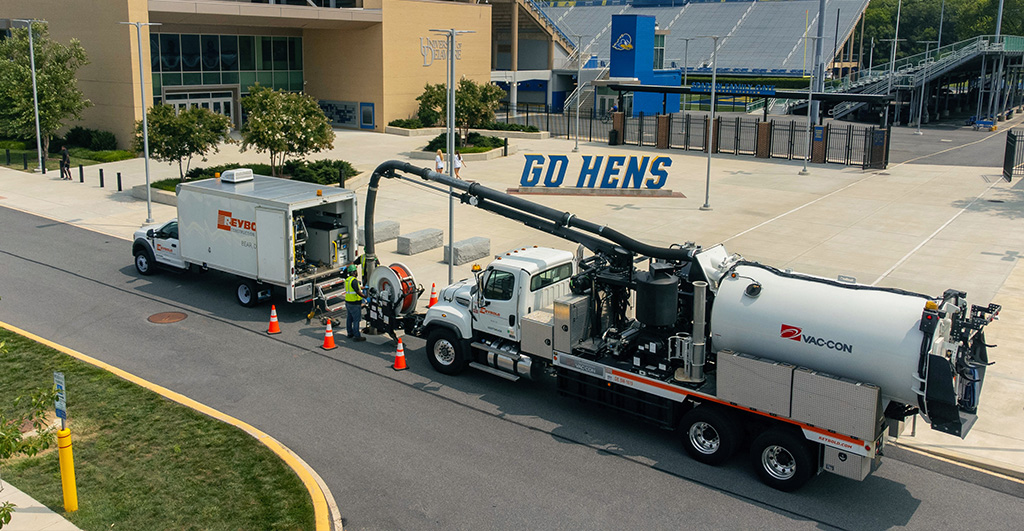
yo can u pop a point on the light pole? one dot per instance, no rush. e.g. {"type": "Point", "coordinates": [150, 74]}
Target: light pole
{"type": "Point", "coordinates": [711, 125]}
{"type": "Point", "coordinates": [579, 88]}
{"type": "Point", "coordinates": [35, 93]}
{"type": "Point", "coordinates": [871, 57]}
{"type": "Point", "coordinates": [450, 35]}
{"type": "Point", "coordinates": [686, 60]}
{"type": "Point", "coordinates": [145, 121]}
{"type": "Point", "coordinates": [892, 59]}
{"type": "Point", "coordinates": [924, 80]}
{"type": "Point", "coordinates": [810, 99]}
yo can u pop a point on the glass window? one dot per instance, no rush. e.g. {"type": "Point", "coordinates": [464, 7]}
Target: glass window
{"type": "Point", "coordinates": [211, 52]}
{"type": "Point", "coordinates": [156, 84]}
{"type": "Point", "coordinates": [170, 53]}
{"type": "Point", "coordinates": [265, 54]}
{"type": "Point", "coordinates": [171, 79]}
{"type": "Point", "coordinates": [280, 53]}
{"type": "Point", "coordinates": [265, 78]}
{"type": "Point", "coordinates": [294, 53]}
{"type": "Point", "coordinates": [211, 78]}
{"type": "Point", "coordinates": [154, 52]}
{"type": "Point", "coordinates": [190, 58]}
{"type": "Point", "coordinates": [229, 78]}
{"type": "Point", "coordinates": [551, 276]}
{"type": "Point", "coordinates": [281, 80]}
{"type": "Point", "coordinates": [295, 82]}
{"type": "Point", "coordinates": [228, 53]}
{"type": "Point", "coordinates": [192, 78]}
{"type": "Point", "coordinates": [246, 80]}
{"type": "Point", "coordinates": [499, 285]}
{"type": "Point", "coordinates": [246, 53]}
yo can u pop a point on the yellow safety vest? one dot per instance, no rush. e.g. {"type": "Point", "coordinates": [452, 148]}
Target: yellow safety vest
{"type": "Point", "coordinates": [351, 295]}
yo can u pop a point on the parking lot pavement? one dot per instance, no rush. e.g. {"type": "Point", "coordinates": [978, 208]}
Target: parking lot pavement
{"type": "Point", "coordinates": [917, 225]}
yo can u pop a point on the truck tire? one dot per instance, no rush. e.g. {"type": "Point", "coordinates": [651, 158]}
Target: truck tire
{"type": "Point", "coordinates": [446, 352]}
{"type": "Point", "coordinates": [246, 293]}
{"type": "Point", "coordinates": [144, 262]}
{"type": "Point", "coordinates": [783, 460]}
{"type": "Point", "coordinates": [710, 435]}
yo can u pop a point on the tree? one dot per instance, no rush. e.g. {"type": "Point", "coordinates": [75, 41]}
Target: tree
{"type": "Point", "coordinates": [433, 103]}
{"type": "Point", "coordinates": [475, 104]}
{"type": "Point", "coordinates": [57, 87]}
{"type": "Point", "coordinates": [177, 137]}
{"type": "Point", "coordinates": [13, 442]}
{"type": "Point", "coordinates": [284, 123]}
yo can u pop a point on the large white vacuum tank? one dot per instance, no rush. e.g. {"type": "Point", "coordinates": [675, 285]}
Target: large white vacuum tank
{"type": "Point", "coordinates": [865, 334]}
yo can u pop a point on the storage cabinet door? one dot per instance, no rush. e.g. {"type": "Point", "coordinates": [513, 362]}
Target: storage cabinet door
{"type": "Point", "coordinates": [271, 238]}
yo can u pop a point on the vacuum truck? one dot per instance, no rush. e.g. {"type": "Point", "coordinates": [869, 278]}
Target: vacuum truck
{"type": "Point", "coordinates": [811, 374]}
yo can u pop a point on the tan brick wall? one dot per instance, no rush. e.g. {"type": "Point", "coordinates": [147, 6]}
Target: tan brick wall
{"type": "Point", "coordinates": [111, 80]}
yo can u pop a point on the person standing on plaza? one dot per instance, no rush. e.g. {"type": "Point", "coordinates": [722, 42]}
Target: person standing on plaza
{"type": "Point", "coordinates": [353, 304]}
{"type": "Point", "coordinates": [457, 161]}
{"type": "Point", "coordinates": [439, 162]}
{"type": "Point", "coordinates": [65, 163]}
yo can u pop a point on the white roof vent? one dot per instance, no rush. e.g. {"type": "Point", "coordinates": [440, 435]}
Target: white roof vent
{"type": "Point", "coordinates": [239, 175]}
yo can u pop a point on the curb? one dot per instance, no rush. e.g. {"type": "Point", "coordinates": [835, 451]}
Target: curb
{"type": "Point", "coordinates": [323, 501]}
{"type": "Point", "coordinates": [980, 463]}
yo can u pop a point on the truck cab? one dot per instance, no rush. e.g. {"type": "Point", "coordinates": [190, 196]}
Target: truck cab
{"type": "Point", "coordinates": [157, 245]}
{"type": "Point", "coordinates": [485, 313]}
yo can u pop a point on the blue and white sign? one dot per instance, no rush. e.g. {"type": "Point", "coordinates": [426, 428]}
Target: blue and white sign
{"type": "Point", "coordinates": [733, 88]}
{"type": "Point", "coordinates": [61, 403]}
{"type": "Point", "coordinates": [626, 172]}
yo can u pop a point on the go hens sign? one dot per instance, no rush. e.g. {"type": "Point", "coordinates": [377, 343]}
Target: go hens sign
{"type": "Point", "coordinates": [632, 172]}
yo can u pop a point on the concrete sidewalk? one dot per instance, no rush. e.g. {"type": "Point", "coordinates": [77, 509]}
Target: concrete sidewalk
{"type": "Point", "coordinates": [30, 515]}
{"type": "Point", "coordinates": [920, 227]}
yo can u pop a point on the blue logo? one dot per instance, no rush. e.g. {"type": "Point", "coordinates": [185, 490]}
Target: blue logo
{"type": "Point", "coordinates": [597, 171]}
{"type": "Point", "coordinates": [624, 43]}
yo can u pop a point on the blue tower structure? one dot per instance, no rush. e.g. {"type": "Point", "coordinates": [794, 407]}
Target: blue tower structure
{"type": "Point", "coordinates": [632, 56]}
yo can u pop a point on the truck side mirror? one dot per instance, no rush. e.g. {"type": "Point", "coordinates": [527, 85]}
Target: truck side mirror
{"type": "Point", "coordinates": [150, 233]}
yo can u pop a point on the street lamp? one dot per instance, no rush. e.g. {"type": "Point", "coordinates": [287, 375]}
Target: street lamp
{"type": "Point", "coordinates": [892, 59]}
{"type": "Point", "coordinates": [810, 100]}
{"type": "Point", "coordinates": [686, 59]}
{"type": "Point", "coordinates": [711, 126]}
{"type": "Point", "coordinates": [579, 88]}
{"type": "Point", "coordinates": [924, 80]}
{"type": "Point", "coordinates": [450, 35]}
{"type": "Point", "coordinates": [35, 93]}
{"type": "Point", "coordinates": [145, 122]}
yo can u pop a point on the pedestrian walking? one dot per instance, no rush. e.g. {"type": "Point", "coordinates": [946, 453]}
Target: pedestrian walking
{"type": "Point", "coordinates": [353, 304]}
{"type": "Point", "coordinates": [439, 162]}
{"type": "Point", "coordinates": [65, 164]}
{"type": "Point", "coordinates": [457, 162]}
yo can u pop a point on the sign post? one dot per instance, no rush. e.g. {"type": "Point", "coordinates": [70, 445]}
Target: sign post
{"type": "Point", "coordinates": [60, 404]}
{"type": "Point", "coordinates": [64, 452]}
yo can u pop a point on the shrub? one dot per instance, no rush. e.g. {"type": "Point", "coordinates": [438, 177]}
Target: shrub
{"type": "Point", "coordinates": [78, 136]}
{"type": "Point", "coordinates": [321, 171]}
{"type": "Point", "coordinates": [476, 140]}
{"type": "Point", "coordinates": [407, 123]}
{"type": "Point", "coordinates": [112, 155]}
{"type": "Point", "coordinates": [212, 171]}
{"type": "Point", "coordinates": [13, 145]}
{"type": "Point", "coordinates": [502, 126]}
{"type": "Point", "coordinates": [103, 141]}
{"type": "Point", "coordinates": [56, 144]}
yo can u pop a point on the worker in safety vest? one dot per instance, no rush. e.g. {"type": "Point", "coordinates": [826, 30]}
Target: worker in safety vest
{"type": "Point", "coordinates": [353, 303]}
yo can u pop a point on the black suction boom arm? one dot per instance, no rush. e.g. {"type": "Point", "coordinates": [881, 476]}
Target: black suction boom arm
{"type": "Point", "coordinates": [606, 240]}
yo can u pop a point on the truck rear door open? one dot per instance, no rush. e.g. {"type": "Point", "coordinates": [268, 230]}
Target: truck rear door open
{"type": "Point", "coordinates": [271, 246]}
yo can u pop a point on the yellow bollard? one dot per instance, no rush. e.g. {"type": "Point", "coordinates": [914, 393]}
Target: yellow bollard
{"type": "Point", "coordinates": [67, 470]}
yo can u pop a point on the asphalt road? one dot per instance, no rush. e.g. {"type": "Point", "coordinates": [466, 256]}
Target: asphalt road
{"type": "Point", "coordinates": [419, 450]}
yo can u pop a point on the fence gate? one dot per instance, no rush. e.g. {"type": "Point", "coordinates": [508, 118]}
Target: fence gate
{"type": "Point", "coordinates": [876, 149]}
{"type": "Point", "coordinates": [1013, 157]}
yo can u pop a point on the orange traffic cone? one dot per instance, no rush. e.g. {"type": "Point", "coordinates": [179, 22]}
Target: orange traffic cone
{"type": "Point", "coordinates": [400, 357]}
{"type": "Point", "coordinates": [329, 338]}
{"type": "Point", "coordinates": [275, 328]}
{"type": "Point", "coordinates": [433, 296]}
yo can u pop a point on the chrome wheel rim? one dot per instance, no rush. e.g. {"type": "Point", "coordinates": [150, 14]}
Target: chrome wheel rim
{"type": "Point", "coordinates": [141, 262]}
{"type": "Point", "coordinates": [704, 438]}
{"type": "Point", "coordinates": [778, 462]}
{"type": "Point", "coordinates": [444, 352]}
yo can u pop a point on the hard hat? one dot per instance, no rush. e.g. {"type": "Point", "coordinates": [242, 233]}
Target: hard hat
{"type": "Point", "coordinates": [351, 268]}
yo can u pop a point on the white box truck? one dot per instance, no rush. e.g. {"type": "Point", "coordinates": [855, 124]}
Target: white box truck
{"type": "Point", "coordinates": [265, 230]}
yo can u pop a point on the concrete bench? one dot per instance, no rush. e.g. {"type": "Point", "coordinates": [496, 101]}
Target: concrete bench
{"type": "Point", "coordinates": [419, 241]}
{"type": "Point", "coordinates": [468, 250]}
{"type": "Point", "coordinates": [382, 232]}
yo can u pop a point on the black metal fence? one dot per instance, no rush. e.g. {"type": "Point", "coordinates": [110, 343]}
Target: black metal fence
{"type": "Point", "coordinates": [785, 138]}
{"type": "Point", "coordinates": [1013, 157]}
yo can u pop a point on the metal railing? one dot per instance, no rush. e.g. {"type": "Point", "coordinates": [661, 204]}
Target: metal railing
{"type": "Point", "coordinates": [543, 16]}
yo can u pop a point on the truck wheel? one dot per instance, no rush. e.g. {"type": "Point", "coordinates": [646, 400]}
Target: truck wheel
{"type": "Point", "coordinates": [710, 435]}
{"type": "Point", "coordinates": [783, 461]}
{"type": "Point", "coordinates": [247, 293]}
{"type": "Point", "coordinates": [445, 351]}
{"type": "Point", "coordinates": [144, 262]}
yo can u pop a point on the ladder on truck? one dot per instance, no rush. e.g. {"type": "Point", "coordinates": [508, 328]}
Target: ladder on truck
{"type": "Point", "coordinates": [332, 295]}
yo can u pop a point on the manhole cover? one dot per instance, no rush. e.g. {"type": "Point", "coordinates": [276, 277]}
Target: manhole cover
{"type": "Point", "coordinates": [167, 317]}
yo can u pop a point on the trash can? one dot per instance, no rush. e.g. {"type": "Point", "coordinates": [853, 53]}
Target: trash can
{"type": "Point", "coordinates": [613, 137]}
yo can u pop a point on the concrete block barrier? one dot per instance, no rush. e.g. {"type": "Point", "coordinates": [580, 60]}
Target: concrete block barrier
{"type": "Point", "coordinates": [468, 250]}
{"type": "Point", "coordinates": [382, 232]}
{"type": "Point", "coordinates": [419, 241]}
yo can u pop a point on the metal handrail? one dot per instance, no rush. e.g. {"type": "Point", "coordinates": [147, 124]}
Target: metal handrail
{"type": "Point", "coordinates": [536, 8]}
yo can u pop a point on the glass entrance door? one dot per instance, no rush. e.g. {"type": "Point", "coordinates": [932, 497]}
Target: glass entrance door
{"type": "Point", "coordinates": [218, 102]}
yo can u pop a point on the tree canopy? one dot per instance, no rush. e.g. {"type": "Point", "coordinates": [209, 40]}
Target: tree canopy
{"type": "Point", "coordinates": [177, 137]}
{"type": "Point", "coordinates": [284, 123]}
{"type": "Point", "coordinates": [57, 87]}
{"type": "Point", "coordinates": [475, 104]}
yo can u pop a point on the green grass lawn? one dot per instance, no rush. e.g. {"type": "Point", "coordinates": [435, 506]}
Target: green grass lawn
{"type": "Point", "coordinates": [79, 156]}
{"type": "Point", "coordinates": [145, 462]}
